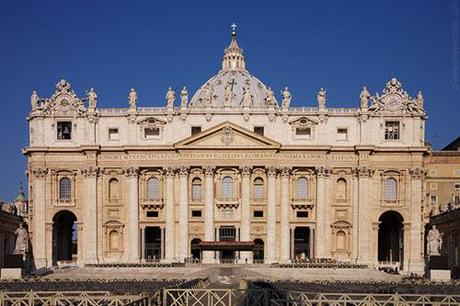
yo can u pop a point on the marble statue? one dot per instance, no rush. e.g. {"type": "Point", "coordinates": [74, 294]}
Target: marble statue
{"type": "Point", "coordinates": [170, 97]}
{"type": "Point", "coordinates": [247, 98]}
{"type": "Point", "coordinates": [132, 98]}
{"type": "Point", "coordinates": [321, 98]}
{"type": "Point", "coordinates": [420, 99]}
{"type": "Point", "coordinates": [434, 242]}
{"type": "Point", "coordinates": [92, 98]}
{"type": "Point", "coordinates": [228, 94]}
{"type": "Point", "coordinates": [287, 97]}
{"type": "Point", "coordinates": [34, 100]}
{"type": "Point", "coordinates": [184, 97]}
{"type": "Point", "coordinates": [364, 98]}
{"type": "Point", "coordinates": [22, 240]}
{"type": "Point", "coordinates": [270, 99]}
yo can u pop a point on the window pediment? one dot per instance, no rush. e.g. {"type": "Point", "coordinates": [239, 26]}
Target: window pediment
{"type": "Point", "coordinates": [151, 122]}
{"type": "Point", "coordinates": [303, 122]}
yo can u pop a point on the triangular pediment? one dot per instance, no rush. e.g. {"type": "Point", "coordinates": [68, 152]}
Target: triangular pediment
{"type": "Point", "coordinates": [227, 135]}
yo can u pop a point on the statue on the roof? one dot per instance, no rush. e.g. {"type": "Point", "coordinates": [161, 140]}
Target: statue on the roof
{"type": "Point", "coordinates": [184, 97]}
{"type": "Point", "coordinates": [420, 99]}
{"type": "Point", "coordinates": [270, 99]}
{"type": "Point", "coordinates": [228, 94]}
{"type": "Point", "coordinates": [132, 98]}
{"type": "Point", "coordinates": [247, 98]}
{"type": "Point", "coordinates": [92, 98]}
{"type": "Point", "coordinates": [287, 97]}
{"type": "Point", "coordinates": [34, 100]}
{"type": "Point", "coordinates": [170, 97]}
{"type": "Point", "coordinates": [364, 98]}
{"type": "Point", "coordinates": [321, 97]}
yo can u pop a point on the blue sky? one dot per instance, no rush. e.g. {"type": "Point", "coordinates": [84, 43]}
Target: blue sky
{"type": "Point", "coordinates": [150, 45]}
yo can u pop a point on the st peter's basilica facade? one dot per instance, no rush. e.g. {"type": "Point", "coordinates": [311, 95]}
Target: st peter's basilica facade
{"type": "Point", "coordinates": [231, 174]}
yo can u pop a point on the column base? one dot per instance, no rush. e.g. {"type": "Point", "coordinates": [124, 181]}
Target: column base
{"type": "Point", "coordinates": [417, 267]}
{"type": "Point", "coordinates": [40, 263]}
{"type": "Point", "coordinates": [270, 261]}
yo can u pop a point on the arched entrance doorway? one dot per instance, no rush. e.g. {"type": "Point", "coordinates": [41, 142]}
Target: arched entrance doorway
{"type": "Point", "coordinates": [195, 248]}
{"type": "Point", "coordinates": [258, 251]}
{"type": "Point", "coordinates": [65, 237]}
{"type": "Point", "coordinates": [391, 238]}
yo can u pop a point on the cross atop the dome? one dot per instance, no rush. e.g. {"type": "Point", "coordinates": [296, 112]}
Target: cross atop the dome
{"type": "Point", "coordinates": [233, 27]}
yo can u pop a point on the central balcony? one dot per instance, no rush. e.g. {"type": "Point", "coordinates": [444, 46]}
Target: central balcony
{"type": "Point", "coordinates": [152, 204]}
{"type": "Point", "coordinates": [232, 202]}
{"type": "Point", "coordinates": [302, 203]}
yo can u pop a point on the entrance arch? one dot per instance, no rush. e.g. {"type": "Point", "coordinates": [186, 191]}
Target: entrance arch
{"type": "Point", "coordinates": [65, 236]}
{"type": "Point", "coordinates": [258, 251]}
{"type": "Point", "coordinates": [391, 238]}
{"type": "Point", "coordinates": [195, 248]}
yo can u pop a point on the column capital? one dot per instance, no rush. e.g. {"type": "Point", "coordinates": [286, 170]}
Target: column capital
{"type": "Point", "coordinates": [363, 171]}
{"type": "Point", "coordinates": [323, 171]}
{"type": "Point", "coordinates": [285, 171]}
{"type": "Point", "coordinates": [245, 171]}
{"type": "Point", "coordinates": [209, 170]}
{"type": "Point", "coordinates": [170, 171]}
{"type": "Point", "coordinates": [40, 172]}
{"type": "Point", "coordinates": [417, 173]}
{"type": "Point", "coordinates": [131, 172]}
{"type": "Point", "coordinates": [90, 172]}
{"type": "Point", "coordinates": [183, 171]}
{"type": "Point", "coordinates": [271, 171]}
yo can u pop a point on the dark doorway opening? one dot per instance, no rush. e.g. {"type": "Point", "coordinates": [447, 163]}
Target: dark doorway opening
{"type": "Point", "coordinates": [65, 237]}
{"type": "Point", "coordinates": [302, 243]}
{"type": "Point", "coordinates": [391, 238]}
{"type": "Point", "coordinates": [227, 233]}
{"type": "Point", "coordinates": [258, 251]}
{"type": "Point", "coordinates": [152, 243]}
{"type": "Point", "coordinates": [195, 248]}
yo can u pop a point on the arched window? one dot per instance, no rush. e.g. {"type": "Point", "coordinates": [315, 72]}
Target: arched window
{"type": "Point", "coordinates": [196, 190]}
{"type": "Point", "coordinates": [153, 189]}
{"type": "Point", "coordinates": [391, 189]}
{"type": "Point", "coordinates": [341, 188]}
{"type": "Point", "coordinates": [113, 241]}
{"type": "Point", "coordinates": [65, 189]}
{"type": "Point", "coordinates": [341, 241]}
{"type": "Point", "coordinates": [227, 187]}
{"type": "Point", "coordinates": [258, 188]}
{"type": "Point", "coordinates": [302, 188]}
{"type": "Point", "coordinates": [114, 189]}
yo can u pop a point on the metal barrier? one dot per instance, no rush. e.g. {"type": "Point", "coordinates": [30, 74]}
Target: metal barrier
{"type": "Point", "coordinates": [80, 298]}
{"type": "Point", "coordinates": [256, 297]}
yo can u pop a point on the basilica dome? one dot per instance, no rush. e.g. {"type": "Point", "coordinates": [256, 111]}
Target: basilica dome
{"type": "Point", "coordinates": [233, 86]}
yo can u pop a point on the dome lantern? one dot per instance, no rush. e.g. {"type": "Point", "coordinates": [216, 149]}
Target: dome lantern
{"type": "Point", "coordinates": [233, 54]}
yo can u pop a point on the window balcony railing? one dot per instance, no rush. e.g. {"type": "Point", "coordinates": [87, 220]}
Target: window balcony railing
{"type": "Point", "coordinates": [302, 203]}
{"type": "Point", "coordinates": [341, 201]}
{"type": "Point", "coordinates": [258, 200]}
{"type": "Point", "coordinates": [232, 202]}
{"type": "Point", "coordinates": [385, 202]}
{"type": "Point", "coordinates": [152, 204]}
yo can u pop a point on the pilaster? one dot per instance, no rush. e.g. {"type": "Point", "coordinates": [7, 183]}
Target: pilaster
{"type": "Point", "coordinates": [363, 174]}
{"type": "Point", "coordinates": [416, 264]}
{"type": "Point", "coordinates": [271, 216]}
{"type": "Point", "coordinates": [245, 256]}
{"type": "Point", "coordinates": [133, 233]}
{"type": "Point", "coordinates": [90, 228]}
{"type": "Point", "coordinates": [208, 256]}
{"type": "Point", "coordinates": [169, 218]}
{"type": "Point", "coordinates": [284, 218]}
{"type": "Point", "coordinates": [183, 213]}
{"type": "Point", "coordinates": [321, 206]}
{"type": "Point", "coordinates": [39, 233]}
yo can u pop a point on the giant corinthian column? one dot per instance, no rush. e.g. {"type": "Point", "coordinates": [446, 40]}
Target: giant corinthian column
{"type": "Point", "coordinates": [364, 223]}
{"type": "Point", "coordinates": [245, 229]}
{"type": "Point", "coordinates": [169, 218]}
{"type": "Point", "coordinates": [321, 206]}
{"type": "Point", "coordinates": [208, 256]}
{"type": "Point", "coordinates": [271, 216]}
{"type": "Point", "coordinates": [284, 218]}
{"type": "Point", "coordinates": [133, 213]}
{"type": "Point", "coordinates": [39, 208]}
{"type": "Point", "coordinates": [90, 228]}
{"type": "Point", "coordinates": [183, 213]}
{"type": "Point", "coordinates": [416, 226]}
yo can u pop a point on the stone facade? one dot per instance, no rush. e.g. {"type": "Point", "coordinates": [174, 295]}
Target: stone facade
{"type": "Point", "coordinates": [149, 183]}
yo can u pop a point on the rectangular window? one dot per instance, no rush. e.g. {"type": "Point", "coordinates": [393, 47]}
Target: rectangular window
{"type": "Point", "coordinates": [342, 134]}
{"type": "Point", "coordinates": [392, 130]}
{"type": "Point", "coordinates": [259, 130]}
{"type": "Point", "coordinates": [152, 214]}
{"type": "Point", "coordinates": [433, 200]}
{"type": "Point", "coordinates": [151, 133]}
{"type": "Point", "coordinates": [64, 130]}
{"type": "Point", "coordinates": [304, 132]}
{"type": "Point", "coordinates": [113, 134]}
{"type": "Point", "coordinates": [196, 213]}
{"type": "Point", "coordinates": [302, 214]}
{"type": "Point", "coordinates": [258, 213]}
{"type": "Point", "coordinates": [457, 186]}
{"type": "Point", "coordinates": [196, 130]}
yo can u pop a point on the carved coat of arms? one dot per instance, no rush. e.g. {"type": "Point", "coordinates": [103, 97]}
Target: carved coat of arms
{"type": "Point", "coordinates": [227, 135]}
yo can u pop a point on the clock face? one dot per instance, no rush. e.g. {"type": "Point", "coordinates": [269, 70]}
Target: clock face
{"type": "Point", "coordinates": [392, 101]}
{"type": "Point", "coordinates": [64, 102]}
